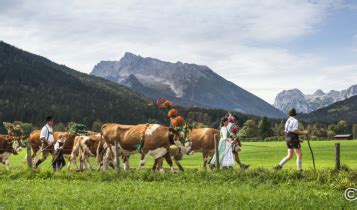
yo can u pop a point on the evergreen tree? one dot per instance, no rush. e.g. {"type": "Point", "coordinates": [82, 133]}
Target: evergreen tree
{"type": "Point", "coordinates": [250, 129]}
{"type": "Point", "coordinates": [264, 128]}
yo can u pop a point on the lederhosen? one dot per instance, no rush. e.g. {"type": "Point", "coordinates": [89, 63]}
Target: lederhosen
{"type": "Point", "coordinates": [292, 140]}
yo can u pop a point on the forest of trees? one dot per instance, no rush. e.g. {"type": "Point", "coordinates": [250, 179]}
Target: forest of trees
{"type": "Point", "coordinates": [265, 130]}
{"type": "Point", "coordinates": [252, 129]}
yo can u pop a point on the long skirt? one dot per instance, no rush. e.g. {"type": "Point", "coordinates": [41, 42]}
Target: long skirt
{"type": "Point", "coordinates": [225, 154]}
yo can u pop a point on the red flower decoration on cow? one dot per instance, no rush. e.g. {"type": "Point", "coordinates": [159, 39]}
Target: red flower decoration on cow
{"type": "Point", "coordinates": [177, 121]}
{"type": "Point", "coordinates": [163, 103]}
{"type": "Point", "coordinates": [172, 113]}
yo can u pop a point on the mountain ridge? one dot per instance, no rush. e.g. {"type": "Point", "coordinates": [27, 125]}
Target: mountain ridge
{"type": "Point", "coordinates": [183, 83]}
{"type": "Point", "coordinates": [306, 103]}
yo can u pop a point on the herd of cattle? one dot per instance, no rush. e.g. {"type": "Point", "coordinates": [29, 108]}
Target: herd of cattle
{"type": "Point", "coordinates": [163, 143]}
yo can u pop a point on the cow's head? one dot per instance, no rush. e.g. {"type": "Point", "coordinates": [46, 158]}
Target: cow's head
{"type": "Point", "coordinates": [13, 145]}
{"type": "Point", "coordinates": [67, 136]}
{"type": "Point", "coordinates": [181, 138]}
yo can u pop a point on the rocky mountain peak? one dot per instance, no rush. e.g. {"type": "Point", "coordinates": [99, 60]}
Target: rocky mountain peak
{"type": "Point", "coordinates": [293, 98]}
{"type": "Point", "coordinates": [308, 103]}
{"type": "Point", "coordinates": [319, 92]}
{"type": "Point", "coordinates": [183, 83]}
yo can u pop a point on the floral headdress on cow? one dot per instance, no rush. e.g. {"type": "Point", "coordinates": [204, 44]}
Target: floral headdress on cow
{"type": "Point", "coordinates": [176, 121]}
{"type": "Point", "coordinates": [78, 129]}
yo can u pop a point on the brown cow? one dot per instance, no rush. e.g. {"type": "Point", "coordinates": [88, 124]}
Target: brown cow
{"type": "Point", "coordinates": [35, 142]}
{"type": "Point", "coordinates": [152, 138]}
{"type": "Point", "coordinates": [6, 149]}
{"type": "Point", "coordinates": [105, 152]}
{"type": "Point", "coordinates": [84, 147]}
{"type": "Point", "coordinates": [203, 141]}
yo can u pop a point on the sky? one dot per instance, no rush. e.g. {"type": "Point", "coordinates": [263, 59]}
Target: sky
{"type": "Point", "coordinates": [263, 46]}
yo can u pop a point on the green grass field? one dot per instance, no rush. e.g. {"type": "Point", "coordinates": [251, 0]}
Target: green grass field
{"type": "Point", "coordinates": [257, 187]}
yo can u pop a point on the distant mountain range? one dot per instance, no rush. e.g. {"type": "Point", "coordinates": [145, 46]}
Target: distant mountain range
{"type": "Point", "coordinates": [185, 84]}
{"type": "Point", "coordinates": [32, 87]}
{"type": "Point", "coordinates": [305, 103]}
{"type": "Point", "coordinates": [346, 109]}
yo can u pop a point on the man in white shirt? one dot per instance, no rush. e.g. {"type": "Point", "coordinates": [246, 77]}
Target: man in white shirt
{"type": "Point", "coordinates": [292, 133]}
{"type": "Point", "coordinates": [47, 139]}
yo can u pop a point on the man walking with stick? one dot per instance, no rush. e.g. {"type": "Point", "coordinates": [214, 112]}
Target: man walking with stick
{"type": "Point", "coordinates": [47, 140]}
{"type": "Point", "coordinates": [292, 133]}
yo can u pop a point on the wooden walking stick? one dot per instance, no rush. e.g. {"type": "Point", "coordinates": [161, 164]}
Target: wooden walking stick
{"type": "Point", "coordinates": [312, 153]}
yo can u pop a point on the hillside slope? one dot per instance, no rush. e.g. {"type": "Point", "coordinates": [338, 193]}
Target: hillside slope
{"type": "Point", "coordinates": [32, 87]}
{"type": "Point", "coordinates": [346, 109]}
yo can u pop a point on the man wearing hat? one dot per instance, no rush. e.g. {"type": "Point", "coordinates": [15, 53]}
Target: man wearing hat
{"type": "Point", "coordinates": [47, 139]}
{"type": "Point", "coordinates": [292, 133]}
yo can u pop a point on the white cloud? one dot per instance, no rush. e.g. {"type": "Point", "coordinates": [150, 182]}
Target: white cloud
{"type": "Point", "coordinates": [226, 35]}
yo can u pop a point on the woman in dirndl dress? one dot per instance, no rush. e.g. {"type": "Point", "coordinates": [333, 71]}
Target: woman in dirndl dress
{"type": "Point", "coordinates": [225, 147]}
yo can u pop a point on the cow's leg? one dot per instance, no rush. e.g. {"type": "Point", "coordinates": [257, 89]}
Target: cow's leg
{"type": "Point", "coordinates": [87, 161]}
{"type": "Point", "coordinates": [100, 165]}
{"type": "Point", "coordinates": [34, 152]}
{"type": "Point", "coordinates": [126, 163]}
{"type": "Point", "coordinates": [168, 159]}
{"type": "Point", "coordinates": [205, 160]}
{"type": "Point", "coordinates": [69, 163]}
{"type": "Point", "coordinates": [112, 164]}
{"type": "Point", "coordinates": [5, 160]}
{"type": "Point", "coordinates": [154, 167]}
{"type": "Point", "coordinates": [143, 159]}
{"type": "Point", "coordinates": [160, 167]}
{"type": "Point", "coordinates": [81, 165]}
{"type": "Point", "coordinates": [7, 163]}
{"type": "Point", "coordinates": [34, 155]}
{"type": "Point", "coordinates": [177, 162]}
{"type": "Point", "coordinates": [106, 159]}
{"type": "Point", "coordinates": [72, 161]}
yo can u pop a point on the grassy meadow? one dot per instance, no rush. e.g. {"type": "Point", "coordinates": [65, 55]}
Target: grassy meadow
{"type": "Point", "coordinates": [257, 187]}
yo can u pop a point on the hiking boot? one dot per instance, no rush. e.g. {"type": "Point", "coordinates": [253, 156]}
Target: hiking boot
{"type": "Point", "coordinates": [244, 166]}
{"type": "Point", "coordinates": [278, 167]}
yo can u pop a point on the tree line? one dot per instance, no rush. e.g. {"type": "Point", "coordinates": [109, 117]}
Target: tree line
{"type": "Point", "coordinates": [251, 128]}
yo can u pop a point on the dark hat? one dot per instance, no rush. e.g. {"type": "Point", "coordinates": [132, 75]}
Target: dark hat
{"type": "Point", "coordinates": [49, 118]}
{"type": "Point", "coordinates": [292, 112]}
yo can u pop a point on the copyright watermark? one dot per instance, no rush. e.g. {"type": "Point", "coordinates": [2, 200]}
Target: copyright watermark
{"type": "Point", "coordinates": [351, 194]}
